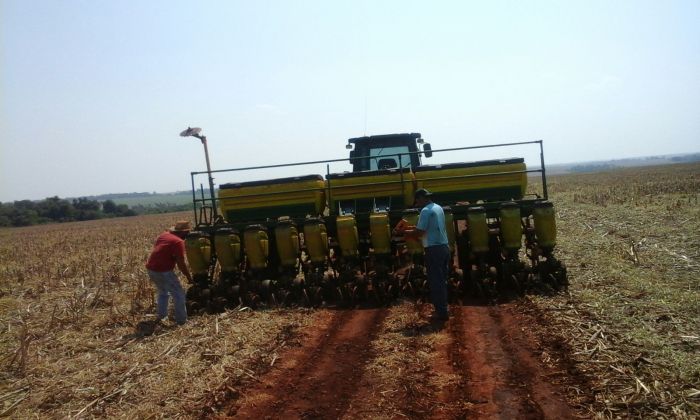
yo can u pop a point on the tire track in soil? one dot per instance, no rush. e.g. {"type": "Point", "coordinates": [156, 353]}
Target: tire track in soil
{"type": "Point", "coordinates": [499, 374]}
{"type": "Point", "coordinates": [528, 371]}
{"type": "Point", "coordinates": [396, 381]}
{"type": "Point", "coordinates": [319, 379]}
{"type": "Point", "coordinates": [415, 404]}
{"type": "Point", "coordinates": [449, 363]}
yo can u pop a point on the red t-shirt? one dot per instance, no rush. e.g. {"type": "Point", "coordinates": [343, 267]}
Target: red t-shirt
{"type": "Point", "coordinates": [167, 249]}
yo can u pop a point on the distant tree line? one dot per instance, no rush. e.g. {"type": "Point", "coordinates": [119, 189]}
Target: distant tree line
{"type": "Point", "coordinates": [132, 195]}
{"type": "Point", "coordinates": [160, 208]}
{"type": "Point", "coordinates": [686, 158]}
{"type": "Point", "coordinates": [54, 209]}
{"type": "Point", "coordinates": [117, 196]}
{"type": "Point", "coordinates": [594, 167]}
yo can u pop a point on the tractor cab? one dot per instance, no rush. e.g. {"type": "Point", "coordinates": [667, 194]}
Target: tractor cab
{"type": "Point", "coordinates": [387, 151]}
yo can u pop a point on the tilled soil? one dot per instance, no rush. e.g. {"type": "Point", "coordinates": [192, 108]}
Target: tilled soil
{"type": "Point", "coordinates": [485, 362]}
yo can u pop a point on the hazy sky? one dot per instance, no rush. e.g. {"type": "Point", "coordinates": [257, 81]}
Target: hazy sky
{"type": "Point", "coordinates": [94, 93]}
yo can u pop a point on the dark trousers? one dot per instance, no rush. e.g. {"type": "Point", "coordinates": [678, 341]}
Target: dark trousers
{"type": "Point", "coordinates": [437, 263]}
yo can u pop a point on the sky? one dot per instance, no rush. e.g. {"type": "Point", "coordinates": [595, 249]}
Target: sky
{"type": "Point", "coordinates": [93, 94]}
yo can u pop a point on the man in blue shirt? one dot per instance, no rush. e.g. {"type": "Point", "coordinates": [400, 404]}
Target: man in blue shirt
{"type": "Point", "coordinates": [431, 229]}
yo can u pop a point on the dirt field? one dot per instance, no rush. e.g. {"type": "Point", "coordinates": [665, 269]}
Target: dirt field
{"type": "Point", "coordinates": [479, 364]}
{"type": "Point", "coordinates": [77, 337]}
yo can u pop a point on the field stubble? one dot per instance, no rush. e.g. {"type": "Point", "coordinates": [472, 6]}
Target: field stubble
{"type": "Point", "coordinates": [77, 337]}
{"type": "Point", "coordinates": [631, 241]}
{"type": "Point", "coordinates": [78, 333]}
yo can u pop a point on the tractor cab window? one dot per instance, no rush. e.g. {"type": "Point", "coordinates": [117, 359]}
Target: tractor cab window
{"type": "Point", "coordinates": [388, 158]}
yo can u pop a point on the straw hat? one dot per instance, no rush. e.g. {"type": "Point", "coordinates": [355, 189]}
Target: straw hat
{"type": "Point", "coordinates": [181, 226]}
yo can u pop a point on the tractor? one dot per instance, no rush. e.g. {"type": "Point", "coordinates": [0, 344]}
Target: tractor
{"type": "Point", "coordinates": [314, 239]}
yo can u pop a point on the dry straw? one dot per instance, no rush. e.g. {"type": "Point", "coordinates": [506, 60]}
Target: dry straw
{"type": "Point", "coordinates": [76, 337]}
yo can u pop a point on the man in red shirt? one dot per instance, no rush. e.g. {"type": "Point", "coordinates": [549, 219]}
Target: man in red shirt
{"type": "Point", "coordinates": [168, 251]}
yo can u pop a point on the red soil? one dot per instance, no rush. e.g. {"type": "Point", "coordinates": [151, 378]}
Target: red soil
{"type": "Point", "coordinates": [500, 373]}
{"type": "Point", "coordinates": [488, 353]}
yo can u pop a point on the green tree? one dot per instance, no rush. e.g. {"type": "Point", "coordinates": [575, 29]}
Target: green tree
{"type": "Point", "coordinates": [86, 209]}
{"type": "Point", "coordinates": [56, 209]}
{"type": "Point", "coordinates": [109, 207]}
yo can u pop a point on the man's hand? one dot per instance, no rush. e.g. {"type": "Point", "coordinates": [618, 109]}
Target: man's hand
{"type": "Point", "coordinates": [182, 265]}
{"type": "Point", "coordinates": [410, 233]}
{"type": "Point", "coordinates": [402, 227]}
{"type": "Point", "coordinates": [413, 233]}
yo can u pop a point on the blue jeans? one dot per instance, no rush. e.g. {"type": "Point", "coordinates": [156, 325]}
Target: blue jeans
{"type": "Point", "coordinates": [437, 263]}
{"type": "Point", "coordinates": [168, 284]}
